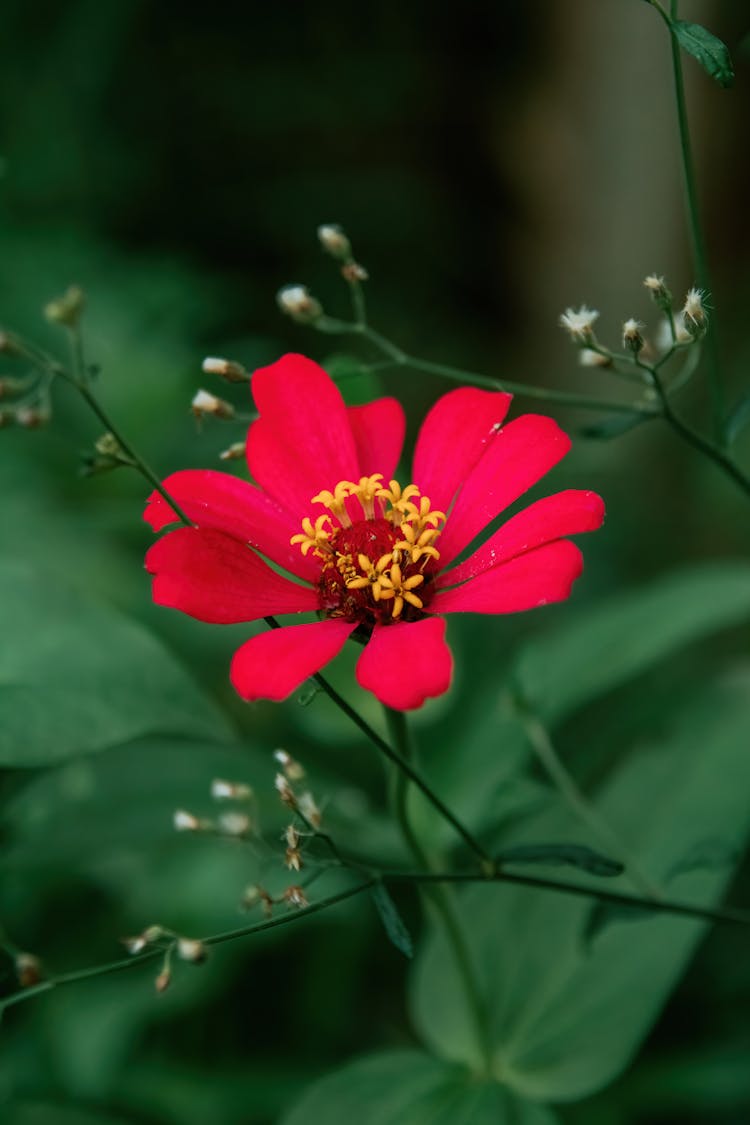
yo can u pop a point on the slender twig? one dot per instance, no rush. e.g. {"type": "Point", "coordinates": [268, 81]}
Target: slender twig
{"type": "Point", "coordinates": [697, 240]}
{"type": "Point", "coordinates": [213, 939]}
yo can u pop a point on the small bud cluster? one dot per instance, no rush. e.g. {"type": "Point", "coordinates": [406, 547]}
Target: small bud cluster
{"type": "Point", "coordinates": [230, 822]}
{"type": "Point", "coordinates": [187, 949]}
{"type": "Point", "coordinates": [26, 401]}
{"type": "Point", "coordinates": [678, 329]}
{"type": "Point", "coordinates": [107, 455]}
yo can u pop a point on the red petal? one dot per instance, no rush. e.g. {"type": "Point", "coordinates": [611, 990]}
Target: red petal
{"type": "Point", "coordinates": [211, 576]}
{"type": "Point", "coordinates": [520, 455]}
{"type": "Point", "coordinates": [406, 663]}
{"type": "Point", "coordinates": [378, 430]}
{"type": "Point", "coordinates": [220, 501]}
{"type": "Point", "coordinates": [537, 578]}
{"type": "Point", "coordinates": [454, 436]}
{"type": "Point", "coordinates": [303, 441]}
{"type": "Point", "coordinates": [552, 517]}
{"type": "Point", "coordinates": [272, 665]}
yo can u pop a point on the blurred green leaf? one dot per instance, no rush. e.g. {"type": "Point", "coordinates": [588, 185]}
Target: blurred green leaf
{"type": "Point", "coordinates": [609, 644]}
{"type": "Point", "coordinates": [397, 1087]}
{"type": "Point", "coordinates": [710, 52]}
{"type": "Point", "coordinates": [566, 855]}
{"type": "Point", "coordinates": [77, 676]}
{"type": "Point", "coordinates": [52, 1113]}
{"type": "Point", "coordinates": [567, 1015]}
{"type": "Point", "coordinates": [738, 419]}
{"type": "Point", "coordinates": [393, 923]}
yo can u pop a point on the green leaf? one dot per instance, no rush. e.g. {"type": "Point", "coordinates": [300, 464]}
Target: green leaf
{"type": "Point", "coordinates": [556, 855]}
{"type": "Point", "coordinates": [613, 426]}
{"type": "Point", "coordinates": [400, 1087]}
{"type": "Point", "coordinates": [567, 1014]}
{"type": "Point", "coordinates": [710, 52]}
{"type": "Point", "coordinates": [392, 921]}
{"type": "Point", "coordinates": [77, 676]}
{"type": "Point", "coordinates": [564, 669]}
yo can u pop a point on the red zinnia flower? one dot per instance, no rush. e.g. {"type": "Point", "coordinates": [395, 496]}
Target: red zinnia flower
{"type": "Point", "coordinates": [366, 554]}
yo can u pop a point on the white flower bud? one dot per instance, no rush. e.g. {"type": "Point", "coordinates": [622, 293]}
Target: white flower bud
{"type": "Point", "coordinates": [631, 335]}
{"type": "Point", "coordinates": [205, 403]}
{"type": "Point", "coordinates": [292, 768]}
{"type": "Point", "coordinates": [309, 810]}
{"type": "Point", "coordinates": [222, 790]}
{"type": "Point", "coordinates": [579, 324]}
{"type": "Point", "coordinates": [694, 313]}
{"type": "Point", "coordinates": [225, 369]}
{"type": "Point", "coordinates": [185, 822]}
{"type": "Point", "coordinates": [234, 824]}
{"type": "Point", "coordinates": [297, 302]}
{"type": "Point", "coordinates": [28, 969]}
{"type": "Point", "coordinates": [587, 357]}
{"type": "Point", "coordinates": [189, 949]}
{"type": "Point", "coordinates": [235, 452]}
{"type": "Point", "coordinates": [295, 896]}
{"type": "Point", "coordinates": [334, 241]}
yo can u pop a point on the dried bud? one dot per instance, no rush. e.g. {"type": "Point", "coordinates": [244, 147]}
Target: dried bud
{"type": "Point", "coordinates": [297, 302]}
{"type": "Point", "coordinates": [285, 791]}
{"type": "Point", "coordinates": [657, 287]}
{"type": "Point", "coordinates": [579, 324]}
{"type": "Point", "coordinates": [254, 894]}
{"type": "Point", "coordinates": [66, 310]}
{"type": "Point", "coordinates": [309, 810]}
{"type": "Point", "coordinates": [334, 241]}
{"type": "Point", "coordinates": [230, 790]}
{"type": "Point", "coordinates": [28, 969]}
{"type": "Point", "coordinates": [162, 982]}
{"type": "Point", "coordinates": [225, 369]}
{"type": "Point", "coordinates": [292, 768]}
{"type": "Point", "coordinates": [235, 452]}
{"type": "Point", "coordinates": [631, 336]}
{"type": "Point", "coordinates": [353, 271]}
{"type": "Point", "coordinates": [293, 859]}
{"type": "Point", "coordinates": [295, 896]}
{"type": "Point", "coordinates": [190, 949]}
{"type": "Point", "coordinates": [205, 403]}
{"type": "Point", "coordinates": [234, 824]}
{"type": "Point", "coordinates": [587, 357]}
{"type": "Point", "coordinates": [694, 313]}
{"type": "Point", "coordinates": [32, 417]}
{"type": "Point", "coordinates": [9, 345]}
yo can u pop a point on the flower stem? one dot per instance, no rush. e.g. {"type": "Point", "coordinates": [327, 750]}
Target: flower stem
{"type": "Point", "coordinates": [486, 859]}
{"type": "Point", "coordinates": [700, 257]}
{"type": "Point", "coordinates": [439, 895]}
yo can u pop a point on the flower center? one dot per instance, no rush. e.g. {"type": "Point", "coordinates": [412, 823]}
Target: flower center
{"type": "Point", "coordinates": [376, 544]}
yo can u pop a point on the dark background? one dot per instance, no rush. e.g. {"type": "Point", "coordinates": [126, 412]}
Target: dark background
{"type": "Point", "coordinates": [492, 165]}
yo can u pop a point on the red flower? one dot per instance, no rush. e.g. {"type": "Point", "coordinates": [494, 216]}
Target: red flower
{"type": "Point", "coordinates": [365, 554]}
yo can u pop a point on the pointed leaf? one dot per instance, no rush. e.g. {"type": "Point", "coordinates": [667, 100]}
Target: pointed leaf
{"type": "Point", "coordinates": [393, 923]}
{"type": "Point", "coordinates": [710, 52]}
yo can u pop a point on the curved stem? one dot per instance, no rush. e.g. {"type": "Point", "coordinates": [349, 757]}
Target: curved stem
{"type": "Point", "coordinates": [700, 257]}
{"type": "Point", "coordinates": [438, 895]}
{"type": "Point", "coordinates": [692, 437]}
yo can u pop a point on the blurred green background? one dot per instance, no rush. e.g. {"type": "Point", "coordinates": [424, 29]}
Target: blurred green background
{"type": "Point", "coordinates": [492, 165]}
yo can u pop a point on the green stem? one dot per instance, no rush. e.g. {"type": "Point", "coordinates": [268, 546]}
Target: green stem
{"type": "Point", "coordinates": [384, 748]}
{"type": "Point", "coordinates": [692, 437]}
{"type": "Point", "coordinates": [700, 257]}
{"type": "Point", "coordinates": [151, 954]}
{"type": "Point", "coordinates": [438, 895]}
{"type": "Point", "coordinates": [144, 469]}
